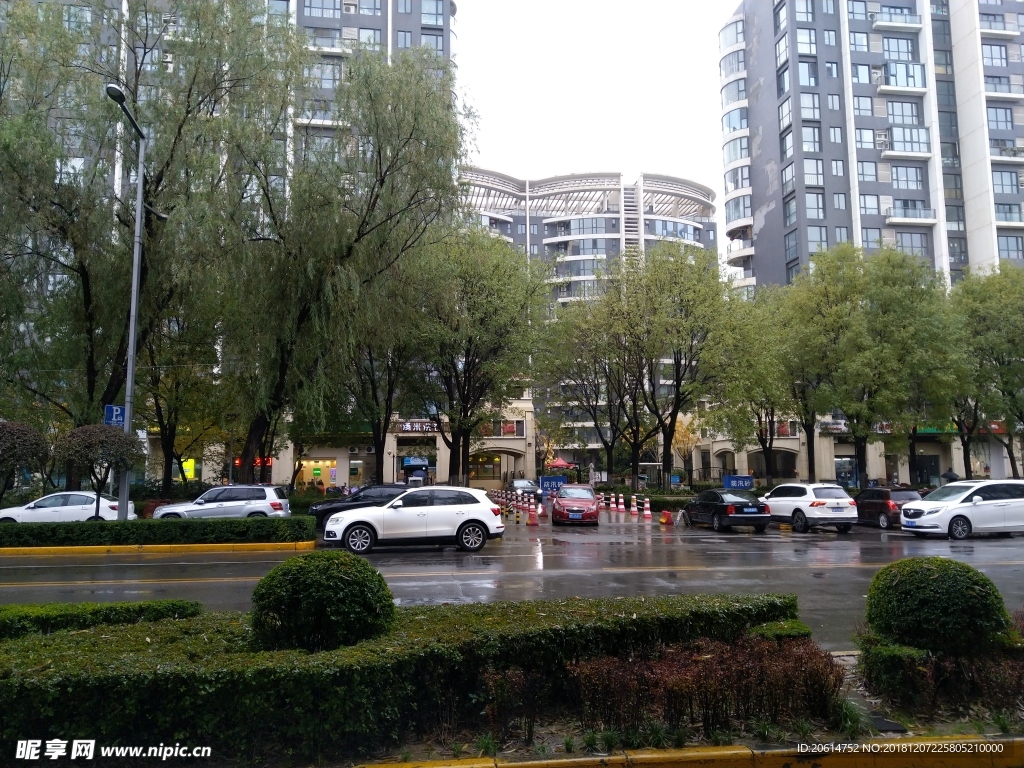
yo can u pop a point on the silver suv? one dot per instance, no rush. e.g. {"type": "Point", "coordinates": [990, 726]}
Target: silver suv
{"type": "Point", "coordinates": [231, 501]}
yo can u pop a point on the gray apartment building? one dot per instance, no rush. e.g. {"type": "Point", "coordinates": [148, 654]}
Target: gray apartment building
{"type": "Point", "coordinates": [896, 123]}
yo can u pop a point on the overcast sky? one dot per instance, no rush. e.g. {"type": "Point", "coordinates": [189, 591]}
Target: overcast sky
{"type": "Point", "coordinates": [575, 86]}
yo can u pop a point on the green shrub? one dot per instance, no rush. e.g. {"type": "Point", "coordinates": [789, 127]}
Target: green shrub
{"type": "Point", "coordinates": [252, 530]}
{"type": "Point", "coordinates": [936, 604]}
{"type": "Point", "coordinates": [319, 602]}
{"type": "Point", "coordinates": [781, 630]}
{"type": "Point", "coordinates": [18, 620]}
{"type": "Point", "coordinates": [197, 681]}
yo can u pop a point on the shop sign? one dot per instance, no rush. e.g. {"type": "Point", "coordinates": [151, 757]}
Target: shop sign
{"type": "Point", "coordinates": [189, 465]}
{"type": "Point", "coordinates": [316, 471]}
{"type": "Point", "coordinates": [414, 427]}
{"type": "Point", "coordinates": [414, 461]}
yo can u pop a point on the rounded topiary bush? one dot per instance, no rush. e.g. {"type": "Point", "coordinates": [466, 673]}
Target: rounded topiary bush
{"type": "Point", "coordinates": [936, 604]}
{"type": "Point", "coordinates": [319, 602]}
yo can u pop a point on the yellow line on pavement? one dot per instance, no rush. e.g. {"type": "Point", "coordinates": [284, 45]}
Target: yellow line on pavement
{"type": "Point", "coordinates": [157, 549]}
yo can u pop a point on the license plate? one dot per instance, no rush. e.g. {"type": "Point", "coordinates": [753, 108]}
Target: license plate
{"type": "Point", "coordinates": [750, 510]}
{"type": "Point", "coordinates": [575, 515]}
{"type": "Point", "coordinates": [910, 523]}
{"type": "Point", "coordinates": [837, 510]}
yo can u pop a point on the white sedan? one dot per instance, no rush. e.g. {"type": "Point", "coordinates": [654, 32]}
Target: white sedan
{"type": "Point", "coordinates": [438, 515]}
{"type": "Point", "coordinates": [65, 507]}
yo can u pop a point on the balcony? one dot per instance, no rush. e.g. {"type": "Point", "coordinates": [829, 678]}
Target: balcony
{"type": "Point", "coordinates": [737, 251]}
{"type": "Point", "coordinates": [903, 77]}
{"type": "Point", "coordinates": [905, 143]}
{"type": "Point", "coordinates": [1014, 155]}
{"type": "Point", "coordinates": [1001, 28]}
{"type": "Point", "coordinates": [1010, 219]}
{"type": "Point", "coordinates": [1004, 91]}
{"type": "Point", "coordinates": [923, 217]}
{"type": "Point", "coordinates": [897, 22]}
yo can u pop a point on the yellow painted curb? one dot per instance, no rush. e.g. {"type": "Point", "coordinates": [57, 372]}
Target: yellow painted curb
{"type": "Point", "coordinates": [944, 752]}
{"type": "Point", "coordinates": [159, 549]}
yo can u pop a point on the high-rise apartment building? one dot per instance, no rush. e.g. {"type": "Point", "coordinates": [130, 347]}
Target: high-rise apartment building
{"type": "Point", "coordinates": [896, 123]}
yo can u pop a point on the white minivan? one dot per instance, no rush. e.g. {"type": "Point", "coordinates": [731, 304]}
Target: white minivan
{"type": "Point", "coordinates": [967, 506]}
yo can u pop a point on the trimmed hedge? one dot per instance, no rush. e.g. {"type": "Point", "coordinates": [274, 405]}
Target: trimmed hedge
{"type": "Point", "coordinates": [199, 681]}
{"type": "Point", "coordinates": [790, 629]}
{"type": "Point", "coordinates": [18, 620]}
{"type": "Point", "coordinates": [937, 604]}
{"type": "Point", "coordinates": [262, 530]}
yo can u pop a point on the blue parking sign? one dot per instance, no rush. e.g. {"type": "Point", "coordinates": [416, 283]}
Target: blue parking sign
{"type": "Point", "coordinates": [113, 415]}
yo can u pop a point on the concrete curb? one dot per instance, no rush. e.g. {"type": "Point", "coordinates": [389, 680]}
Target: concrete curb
{"type": "Point", "coordinates": [878, 753]}
{"type": "Point", "coordinates": [157, 549]}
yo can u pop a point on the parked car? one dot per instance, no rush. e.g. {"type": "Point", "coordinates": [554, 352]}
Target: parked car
{"type": "Point", "coordinates": [574, 504]}
{"type": "Point", "coordinates": [959, 509]}
{"type": "Point", "coordinates": [231, 501]}
{"type": "Point", "coordinates": [881, 506]}
{"type": "Point", "coordinates": [437, 515]}
{"type": "Point", "coordinates": [64, 507]}
{"type": "Point", "coordinates": [724, 508]}
{"type": "Point", "coordinates": [371, 496]}
{"type": "Point", "coordinates": [812, 505]}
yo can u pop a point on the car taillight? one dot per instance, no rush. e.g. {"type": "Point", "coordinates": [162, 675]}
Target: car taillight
{"type": "Point", "coordinates": [277, 506]}
{"type": "Point", "coordinates": [817, 503]}
{"type": "Point", "coordinates": [853, 502]}
{"type": "Point", "coordinates": [893, 506]}
{"type": "Point", "coordinates": [113, 507]}
{"type": "Point", "coordinates": [767, 509]}
{"type": "Point", "coordinates": [496, 511]}
{"type": "Point", "coordinates": [730, 510]}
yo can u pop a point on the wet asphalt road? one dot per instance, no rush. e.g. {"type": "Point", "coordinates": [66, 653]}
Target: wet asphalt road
{"type": "Point", "coordinates": [830, 573]}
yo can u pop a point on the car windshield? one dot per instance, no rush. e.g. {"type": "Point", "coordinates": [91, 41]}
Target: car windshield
{"type": "Point", "coordinates": [949, 492]}
{"type": "Point", "coordinates": [830, 493]}
{"type": "Point", "coordinates": [905, 495]}
{"type": "Point", "coordinates": [738, 497]}
{"type": "Point", "coordinates": [575, 493]}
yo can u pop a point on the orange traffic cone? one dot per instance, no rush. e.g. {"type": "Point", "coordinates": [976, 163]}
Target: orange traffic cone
{"type": "Point", "coordinates": [542, 511]}
{"type": "Point", "coordinates": [531, 519]}
{"type": "Point", "coordinates": [622, 505]}
{"type": "Point", "coordinates": [666, 518]}
{"type": "Point", "coordinates": [647, 509]}
{"type": "Point", "coordinates": [633, 510]}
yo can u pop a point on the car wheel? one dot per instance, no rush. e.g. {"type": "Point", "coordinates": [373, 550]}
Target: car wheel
{"type": "Point", "coordinates": [257, 514]}
{"type": "Point", "coordinates": [883, 520]}
{"type": "Point", "coordinates": [843, 528]}
{"type": "Point", "coordinates": [7, 520]}
{"type": "Point", "coordinates": [359, 539]}
{"type": "Point", "coordinates": [471, 537]}
{"type": "Point", "coordinates": [760, 528]}
{"type": "Point", "coordinates": [800, 522]}
{"type": "Point", "coordinates": [94, 518]}
{"type": "Point", "coordinates": [717, 524]}
{"type": "Point", "coordinates": [959, 528]}
{"type": "Point", "coordinates": [170, 516]}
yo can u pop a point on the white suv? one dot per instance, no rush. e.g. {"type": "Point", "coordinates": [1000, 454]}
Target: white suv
{"type": "Point", "coordinates": [812, 505]}
{"type": "Point", "coordinates": [438, 515]}
{"type": "Point", "coordinates": [969, 506]}
{"type": "Point", "coordinates": [231, 501]}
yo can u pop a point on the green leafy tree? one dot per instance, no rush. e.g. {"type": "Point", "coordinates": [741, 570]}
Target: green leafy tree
{"type": "Point", "coordinates": [22, 449]}
{"type": "Point", "coordinates": [98, 450]}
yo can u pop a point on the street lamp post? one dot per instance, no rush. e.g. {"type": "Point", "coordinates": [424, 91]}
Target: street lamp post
{"type": "Point", "coordinates": [117, 96]}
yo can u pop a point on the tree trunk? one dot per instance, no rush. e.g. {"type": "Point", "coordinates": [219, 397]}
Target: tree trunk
{"type": "Point", "coordinates": [812, 446]}
{"type": "Point", "coordinates": [912, 455]}
{"type": "Point", "coordinates": [1012, 454]}
{"type": "Point", "coordinates": [768, 453]}
{"type": "Point", "coordinates": [250, 449]}
{"type": "Point", "coordinates": [634, 463]}
{"type": "Point", "coordinates": [667, 458]}
{"type": "Point", "coordinates": [861, 449]}
{"type": "Point", "coordinates": [167, 438]}
{"type": "Point", "coordinates": [181, 470]}
{"type": "Point", "coordinates": [454, 458]}
{"type": "Point", "coordinates": [609, 452]}
{"type": "Point", "coordinates": [5, 483]}
{"type": "Point", "coordinates": [966, 438]}
{"type": "Point", "coordinates": [464, 479]}
{"type": "Point", "coordinates": [379, 439]}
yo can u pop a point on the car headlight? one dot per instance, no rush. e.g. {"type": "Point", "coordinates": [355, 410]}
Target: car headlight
{"type": "Point", "coordinates": [935, 511]}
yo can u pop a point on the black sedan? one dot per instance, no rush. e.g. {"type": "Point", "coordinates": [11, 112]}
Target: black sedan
{"type": "Point", "coordinates": [722, 509]}
{"type": "Point", "coordinates": [372, 496]}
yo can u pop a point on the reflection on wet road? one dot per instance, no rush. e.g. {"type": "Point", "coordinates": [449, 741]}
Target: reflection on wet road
{"type": "Point", "coordinates": [830, 573]}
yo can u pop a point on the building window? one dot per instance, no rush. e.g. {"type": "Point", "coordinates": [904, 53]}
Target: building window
{"type": "Point", "coordinates": [737, 208]}
{"type": "Point", "coordinates": [790, 244]}
{"type": "Point", "coordinates": [858, 10]}
{"type": "Point", "coordinates": [806, 44]}
{"type": "Point", "coordinates": [731, 35]}
{"type": "Point", "coordinates": [842, 235]}
{"type": "Point", "coordinates": [828, 6]}
{"type": "Point", "coordinates": [533, 229]}
{"type": "Point", "coordinates": [1008, 212]}
{"type": "Point", "coordinates": [948, 126]}
{"type": "Point", "coordinates": [325, 74]}
{"type": "Point", "coordinates": [405, 6]}
{"type": "Point", "coordinates": [782, 82]}
{"type": "Point", "coordinates": [1000, 119]}
{"type": "Point", "coordinates": [734, 91]}
{"type": "Point", "coordinates": [782, 51]}
{"type": "Point", "coordinates": [808, 72]}
{"type": "Point", "coordinates": [534, 249]}
{"type": "Point", "coordinates": [817, 239]}
{"type": "Point", "coordinates": [835, 135]}
{"type": "Point", "coordinates": [404, 39]}
{"type": "Point", "coordinates": [993, 55]}
{"type": "Point", "coordinates": [814, 172]}
{"type": "Point", "coordinates": [859, 42]}
{"type": "Point", "coordinates": [737, 178]}
{"type": "Point", "coordinates": [945, 91]}
{"type": "Point", "coordinates": [863, 106]}
{"type": "Point", "coordinates": [369, 7]}
{"type": "Point", "coordinates": [910, 139]}
{"type": "Point", "coordinates": [789, 212]}
{"type": "Point", "coordinates": [785, 114]}
{"type": "Point", "coordinates": [324, 9]}
{"type": "Point", "coordinates": [815, 204]}
{"type": "Point", "coordinates": [810, 106]}
{"type": "Point", "coordinates": [804, 10]}
{"type": "Point", "coordinates": [737, 149]}
{"type": "Point", "coordinates": [867, 171]}
{"type": "Point", "coordinates": [914, 243]}
{"type": "Point", "coordinates": [869, 205]}
{"type": "Point", "coordinates": [734, 121]}
{"type": "Point", "coordinates": [832, 69]}
{"type": "Point", "coordinates": [733, 63]}
{"type": "Point", "coordinates": [941, 34]}
{"type": "Point", "coordinates": [952, 186]}
{"type": "Point", "coordinates": [861, 73]}
{"type": "Point", "coordinates": [788, 179]}
{"type": "Point", "coordinates": [833, 102]}
{"type": "Point", "coordinates": [906, 177]}
{"type": "Point", "coordinates": [1005, 183]}
{"type": "Point", "coordinates": [786, 146]}
{"type": "Point", "coordinates": [838, 168]}
{"type": "Point", "coordinates": [898, 49]}
{"type": "Point", "coordinates": [943, 62]}
{"type": "Point", "coordinates": [958, 250]}
{"type": "Point", "coordinates": [865, 138]}
{"type": "Point", "coordinates": [811, 135]}
{"type": "Point", "coordinates": [871, 237]}
{"type": "Point", "coordinates": [1011, 247]}
{"type": "Point", "coordinates": [432, 13]}
{"type": "Point", "coordinates": [903, 113]}
{"type": "Point", "coordinates": [955, 220]}
{"type": "Point", "coordinates": [830, 39]}
{"type": "Point", "coordinates": [780, 18]}
{"type": "Point", "coordinates": [433, 42]}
